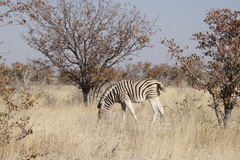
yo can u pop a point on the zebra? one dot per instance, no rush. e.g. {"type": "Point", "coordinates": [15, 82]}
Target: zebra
{"type": "Point", "coordinates": [128, 91]}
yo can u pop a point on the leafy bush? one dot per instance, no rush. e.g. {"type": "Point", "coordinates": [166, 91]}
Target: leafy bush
{"type": "Point", "coordinates": [13, 123]}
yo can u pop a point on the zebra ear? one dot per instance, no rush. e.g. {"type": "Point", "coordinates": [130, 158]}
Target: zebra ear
{"type": "Point", "coordinates": [99, 105]}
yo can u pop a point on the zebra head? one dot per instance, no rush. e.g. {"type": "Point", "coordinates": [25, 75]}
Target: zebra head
{"type": "Point", "coordinates": [105, 102]}
{"type": "Point", "coordinates": [102, 111]}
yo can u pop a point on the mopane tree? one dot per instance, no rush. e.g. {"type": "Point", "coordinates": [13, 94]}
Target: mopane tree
{"type": "Point", "coordinates": [219, 60]}
{"type": "Point", "coordinates": [85, 38]}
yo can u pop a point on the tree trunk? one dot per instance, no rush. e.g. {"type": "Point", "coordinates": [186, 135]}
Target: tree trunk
{"type": "Point", "coordinates": [86, 99]}
{"type": "Point", "coordinates": [228, 106]}
{"type": "Point", "coordinates": [218, 111]}
{"type": "Point", "coordinates": [227, 116]}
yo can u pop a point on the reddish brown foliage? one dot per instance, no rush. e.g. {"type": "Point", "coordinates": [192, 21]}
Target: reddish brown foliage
{"type": "Point", "coordinates": [220, 47]}
{"type": "Point", "coordinates": [85, 39]}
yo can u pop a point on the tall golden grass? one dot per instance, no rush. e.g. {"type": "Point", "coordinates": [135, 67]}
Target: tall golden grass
{"type": "Point", "coordinates": [65, 129]}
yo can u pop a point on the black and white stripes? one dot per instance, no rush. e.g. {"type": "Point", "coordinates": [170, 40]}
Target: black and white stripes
{"type": "Point", "coordinates": [126, 92]}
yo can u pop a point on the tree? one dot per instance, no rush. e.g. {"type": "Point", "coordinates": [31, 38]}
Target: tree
{"type": "Point", "coordinates": [16, 100]}
{"type": "Point", "coordinates": [166, 74]}
{"type": "Point", "coordinates": [221, 50]}
{"type": "Point", "coordinates": [85, 38]}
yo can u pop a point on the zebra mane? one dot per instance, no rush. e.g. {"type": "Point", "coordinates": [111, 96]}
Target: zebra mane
{"type": "Point", "coordinates": [108, 90]}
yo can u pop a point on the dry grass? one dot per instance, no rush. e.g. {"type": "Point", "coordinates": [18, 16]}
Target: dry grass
{"type": "Point", "coordinates": [65, 129]}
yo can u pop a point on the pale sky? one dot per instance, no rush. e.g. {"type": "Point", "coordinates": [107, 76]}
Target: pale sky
{"type": "Point", "coordinates": [178, 19]}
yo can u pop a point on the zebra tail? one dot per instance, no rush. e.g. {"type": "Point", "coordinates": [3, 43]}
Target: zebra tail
{"type": "Point", "coordinates": [161, 86]}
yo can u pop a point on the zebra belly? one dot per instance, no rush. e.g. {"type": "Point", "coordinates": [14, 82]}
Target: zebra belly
{"type": "Point", "coordinates": [138, 100]}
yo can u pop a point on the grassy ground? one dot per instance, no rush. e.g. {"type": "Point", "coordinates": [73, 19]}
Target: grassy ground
{"type": "Point", "coordinates": [65, 129]}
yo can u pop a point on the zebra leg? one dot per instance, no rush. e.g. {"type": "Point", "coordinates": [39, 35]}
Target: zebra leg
{"type": "Point", "coordinates": [160, 108]}
{"type": "Point", "coordinates": [123, 105]}
{"type": "Point", "coordinates": [130, 107]}
{"type": "Point", "coordinates": [156, 107]}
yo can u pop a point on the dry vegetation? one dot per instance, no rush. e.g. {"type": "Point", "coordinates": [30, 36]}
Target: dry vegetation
{"type": "Point", "coordinates": [63, 128]}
